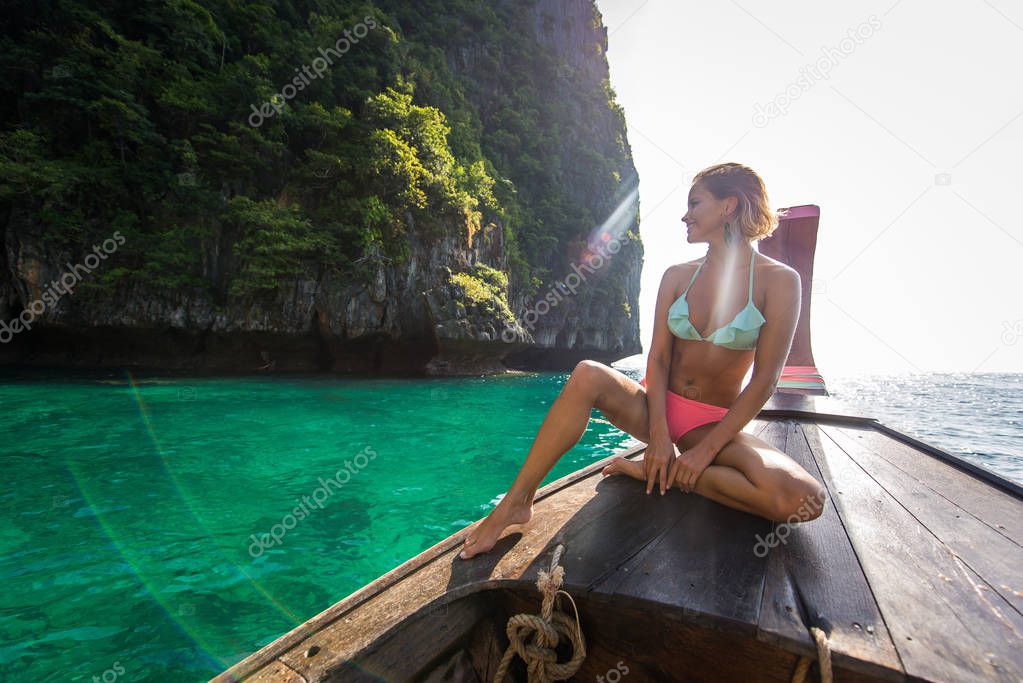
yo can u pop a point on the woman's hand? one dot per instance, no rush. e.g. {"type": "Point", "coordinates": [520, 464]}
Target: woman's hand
{"type": "Point", "coordinates": [657, 459]}
{"type": "Point", "coordinates": [688, 466]}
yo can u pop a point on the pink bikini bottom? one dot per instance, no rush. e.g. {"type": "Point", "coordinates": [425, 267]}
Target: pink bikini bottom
{"type": "Point", "coordinates": [685, 414]}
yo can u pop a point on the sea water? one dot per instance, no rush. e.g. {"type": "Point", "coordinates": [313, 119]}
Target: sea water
{"type": "Point", "coordinates": [162, 528]}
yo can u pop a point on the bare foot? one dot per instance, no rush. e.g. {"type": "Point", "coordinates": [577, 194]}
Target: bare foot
{"type": "Point", "coordinates": [631, 468]}
{"type": "Point", "coordinates": [483, 537]}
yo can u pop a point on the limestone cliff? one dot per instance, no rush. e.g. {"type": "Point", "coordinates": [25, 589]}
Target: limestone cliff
{"type": "Point", "coordinates": [519, 289]}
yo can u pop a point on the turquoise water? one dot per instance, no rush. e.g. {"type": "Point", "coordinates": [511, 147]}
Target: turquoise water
{"type": "Point", "coordinates": [131, 503]}
{"type": "Point", "coordinates": [130, 508]}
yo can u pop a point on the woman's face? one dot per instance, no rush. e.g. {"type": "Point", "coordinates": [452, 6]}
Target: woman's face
{"type": "Point", "coordinates": [705, 216]}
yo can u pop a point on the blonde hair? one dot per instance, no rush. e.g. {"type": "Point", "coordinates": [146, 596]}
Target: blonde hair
{"type": "Point", "coordinates": [753, 216]}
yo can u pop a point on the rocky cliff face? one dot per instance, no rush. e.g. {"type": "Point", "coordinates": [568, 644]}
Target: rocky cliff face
{"type": "Point", "coordinates": [412, 318]}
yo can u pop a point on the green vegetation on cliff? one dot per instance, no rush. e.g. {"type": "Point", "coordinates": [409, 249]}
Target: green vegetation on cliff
{"type": "Point", "coordinates": [485, 287]}
{"type": "Point", "coordinates": [239, 145]}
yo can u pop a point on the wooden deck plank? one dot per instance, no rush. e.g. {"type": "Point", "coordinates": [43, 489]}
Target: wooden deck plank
{"type": "Point", "coordinates": [597, 550]}
{"type": "Point", "coordinates": [420, 640]}
{"type": "Point", "coordinates": [990, 554]}
{"type": "Point", "coordinates": [704, 563]}
{"type": "Point", "coordinates": [998, 509]}
{"type": "Point", "coordinates": [276, 672]}
{"type": "Point", "coordinates": [756, 426]}
{"type": "Point", "coordinates": [814, 579]}
{"type": "Point", "coordinates": [698, 566]}
{"type": "Point", "coordinates": [812, 407]}
{"type": "Point", "coordinates": [942, 627]}
{"type": "Point", "coordinates": [999, 609]}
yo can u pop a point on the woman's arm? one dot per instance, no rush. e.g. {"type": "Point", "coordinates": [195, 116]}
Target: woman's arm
{"type": "Point", "coordinates": [661, 451]}
{"type": "Point", "coordinates": [781, 313]}
{"type": "Point", "coordinates": [659, 359]}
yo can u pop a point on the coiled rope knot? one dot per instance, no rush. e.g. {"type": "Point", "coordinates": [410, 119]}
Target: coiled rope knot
{"type": "Point", "coordinates": [534, 638]}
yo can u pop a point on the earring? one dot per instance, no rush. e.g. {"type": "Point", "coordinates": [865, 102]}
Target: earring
{"type": "Point", "coordinates": [728, 233]}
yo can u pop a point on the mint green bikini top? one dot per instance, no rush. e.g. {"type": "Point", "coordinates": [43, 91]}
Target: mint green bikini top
{"type": "Point", "coordinates": [741, 334]}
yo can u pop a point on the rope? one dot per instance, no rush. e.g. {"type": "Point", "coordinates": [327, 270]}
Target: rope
{"type": "Point", "coordinates": [543, 633]}
{"type": "Point", "coordinates": [823, 658]}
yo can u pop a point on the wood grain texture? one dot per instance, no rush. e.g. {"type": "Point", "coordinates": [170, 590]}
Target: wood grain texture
{"type": "Point", "coordinates": [983, 546]}
{"type": "Point", "coordinates": [943, 627]}
{"type": "Point", "coordinates": [997, 509]}
{"type": "Point", "coordinates": [814, 579]}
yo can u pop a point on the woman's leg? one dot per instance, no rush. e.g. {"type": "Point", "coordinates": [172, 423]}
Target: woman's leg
{"type": "Point", "coordinates": [748, 474]}
{"type": "Point", "coordinates": [591, 385]}
{"type": "Point", "coordinates": [751, 473]}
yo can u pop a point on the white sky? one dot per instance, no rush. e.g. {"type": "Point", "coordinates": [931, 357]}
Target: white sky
{"type": "Point", "coordinates": [911, 273]}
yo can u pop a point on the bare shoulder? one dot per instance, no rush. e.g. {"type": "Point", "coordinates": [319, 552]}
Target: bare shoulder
{"type": "Point", "coordinates": [674, 272]}
{"type": "Point", "coordinates": [776, 273]}
{"type": "Point", "coordinates": [684, 268]}
{"type": "Point", "coordinates": [678, 274]}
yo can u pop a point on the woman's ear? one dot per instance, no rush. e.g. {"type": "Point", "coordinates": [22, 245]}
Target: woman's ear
{"type": "Point", "coordinates": [731, 204]}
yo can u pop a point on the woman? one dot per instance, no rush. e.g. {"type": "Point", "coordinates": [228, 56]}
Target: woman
{"type": "Point", "coordinates": [690, 407]}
